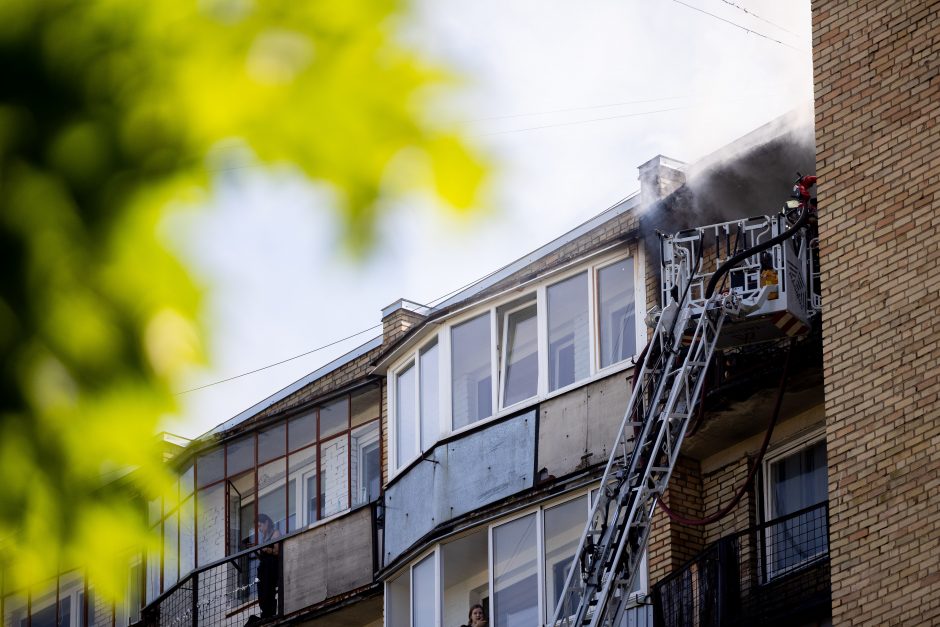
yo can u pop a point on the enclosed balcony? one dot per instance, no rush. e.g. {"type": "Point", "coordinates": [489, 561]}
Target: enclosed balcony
{"type": "Point", "coordinates": [325, 570]}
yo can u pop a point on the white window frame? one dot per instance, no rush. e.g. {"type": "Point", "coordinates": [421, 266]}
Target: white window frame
{"type": "Point", "coordinates": [442, 335]}
{"type": "Point", "coordinates": [364, 444]}
{"type": "Point", "coordinates": [434, 555]}
{"type": "Point", "coordinates": [503, 350]}
{"type": "Point", "coordinates": [413, 359]}
{"type": "Point", "coordinates": [808, 440]}
{"type": "Point", "coordinates": [639, 308]}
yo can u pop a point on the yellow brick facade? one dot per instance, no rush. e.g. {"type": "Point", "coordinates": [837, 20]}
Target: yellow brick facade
{"type": "Point", "coordinates": [877, 92]}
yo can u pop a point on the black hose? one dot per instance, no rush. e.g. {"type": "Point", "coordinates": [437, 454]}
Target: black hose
{"type": "Point", "coordinates": [744, 254]}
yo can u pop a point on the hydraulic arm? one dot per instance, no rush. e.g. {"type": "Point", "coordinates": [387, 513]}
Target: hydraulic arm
{"type": "Point", "coordinates": [598, 585]}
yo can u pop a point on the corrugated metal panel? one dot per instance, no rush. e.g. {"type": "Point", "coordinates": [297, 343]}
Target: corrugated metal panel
{"type": "Point", "coordinates": [457, 478]}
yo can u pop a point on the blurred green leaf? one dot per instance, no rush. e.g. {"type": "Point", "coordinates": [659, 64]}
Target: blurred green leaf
{"type": "Point", "coordinates": [108, 110]}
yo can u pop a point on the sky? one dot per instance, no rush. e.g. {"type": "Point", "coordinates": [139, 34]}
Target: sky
{"type": "Point", "coordinates": [565, 98]}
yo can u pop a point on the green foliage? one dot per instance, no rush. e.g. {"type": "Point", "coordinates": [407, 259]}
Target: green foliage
{"type": "Point", "coordinates": [108, 109]}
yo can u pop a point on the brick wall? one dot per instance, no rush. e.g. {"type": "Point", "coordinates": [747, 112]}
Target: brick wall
{"type": "Point", "coordinates": [877, 92]}
{"type": "Point", "coordinates": [671, 543]}
{"type": "Point", "coordinates": [718, 489]}
{"type": "Point", "coordinates": [344, 375]}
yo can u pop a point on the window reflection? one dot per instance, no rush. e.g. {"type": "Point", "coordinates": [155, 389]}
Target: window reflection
{"type": "Point", "coordinates": [405, 444]}
{"type": "Point", "coordinates": [365, 405]}
{"type": "Point", "coordinates": [568, 332]}
{"type": "Point", "coordinates": [302, 488]}
{"type": "Point", "coordinates": [515, 580]}
{"type": "Point", "coordinates": [366, 460]}
{"type": "Point", "coordinates": [334, 417]}
{"type": "Point", "coordinates": [210, 467]}
{"type": "Point", "coordinates": [272, 493]}
{"type": "Point", "coordinates": [521, 359]}
{"type": "Point", "coordinates": [471, 376]}
{"type": "Point", "coordinates": [271, 443]}
{"type": "Point", "coordinates": [564, 525]}
{"type": "Point", "coordinates": [240, 455]}
{"type": "Point", "coordinates": [423, 593]}
{"type": "Point", "coordinates": [430, 397]}
{"type": "Point", "coordinates": [616, 317]}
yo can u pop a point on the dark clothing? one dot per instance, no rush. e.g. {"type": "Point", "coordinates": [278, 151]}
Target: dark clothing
{"type": "Point", "coordinates": [268, 576]}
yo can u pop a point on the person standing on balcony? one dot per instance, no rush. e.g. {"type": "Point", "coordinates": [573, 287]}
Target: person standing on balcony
{"type": "Point", "coordinates": [268, 569]}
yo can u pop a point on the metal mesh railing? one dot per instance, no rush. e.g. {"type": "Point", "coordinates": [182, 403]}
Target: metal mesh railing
{"type": "Point", "coordinates": [771, 574]}
{"type": "Point", "coordinates": [223, 594]}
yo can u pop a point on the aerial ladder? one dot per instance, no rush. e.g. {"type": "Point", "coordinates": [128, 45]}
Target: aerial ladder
{"type": "Point", "coordinates": [771, 274]}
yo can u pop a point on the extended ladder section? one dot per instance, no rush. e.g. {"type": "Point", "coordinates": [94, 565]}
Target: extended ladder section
{"type": "Point", "coordinates": [597, 588]}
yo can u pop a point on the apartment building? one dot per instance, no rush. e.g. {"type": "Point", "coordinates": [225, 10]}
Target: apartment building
{"type": "Point", "coordinates": [453, 460]}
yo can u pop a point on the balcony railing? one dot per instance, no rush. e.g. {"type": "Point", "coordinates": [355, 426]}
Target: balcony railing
{"type": "Point", "coordinates": [776, 573]}
{"type": "Point", "coordinates": [281, 578]}
{"type": "Point", "coordinates": [222, 593]}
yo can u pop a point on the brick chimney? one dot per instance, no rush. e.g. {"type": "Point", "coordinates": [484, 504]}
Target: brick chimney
{"type": "Point", "coordinates": [400, 316]}
{"type": "Point", "coordinates": [659, 177]}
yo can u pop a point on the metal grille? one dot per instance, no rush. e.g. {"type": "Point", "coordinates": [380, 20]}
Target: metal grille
{"type": "Point", "coordinates": [771, 574]}
{"type": "Point", "coordinates": [224, 594]}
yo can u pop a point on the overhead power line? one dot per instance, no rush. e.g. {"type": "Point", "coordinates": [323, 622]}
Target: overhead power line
{"type": "Point", "coordinates": [736, 25]}
{"type": "Point", "coordinates": [333, 343]}
{"type": "Point", "coordinates": [283, 361]}
{"type": "Point", "coordinates": [756, 16]}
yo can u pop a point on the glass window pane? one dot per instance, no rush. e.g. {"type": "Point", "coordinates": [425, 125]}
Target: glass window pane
{"type": "Point", "coordinates": [133, 596]}
{"type": "Point", "coordinates": [14, 611]}
{"type": "Point", "coordinates": [272, 499]}
{"type": "Point", "coordinates": [71, 600]}
{"type": "Point", "coordinates": [798, 481]}
{"type": "Point", "coordinates": [423, 593]}
{"type": "Point", "coordinates": [187, 537]}
{"type": "Point", "coordinates": [334, 417]}
{"type": "Point", "coordinates": [617, 319]}
{"type": "Point", "coordinates": [568, 332]}
{"type": "Point", "coordinates": [430, 405]}
{"type": "Point", "coordinates": [405, 415]}
{"type": "Point", "coordinates": [241, 512]}
{"type": "Point", "coordinates": [302, 431]}
{"type": "Point", "coordinates": [186, 482]}
{"type": "Point", "coordinates": [302, 488]}
{"type": "Point", "coordinates": [471, 383]}
{"type": "Point", "coordinates": [210, 508]}
{"type": "Point", "coordinates": [240, 456]}
{"type": "Point", "coordinates": [210, 467]}
{"type": "Point", "coordinates": [154, 568]}
{"type": "Point", "coordinates": [464, 576]}
{"type": "Point", "coordinates": [515, 582]}
{"type": "Point", "coordinates": [398, 601]}
{"type": "Point", "coordinates": [155, 511]}
{"type": "Point", "coordinates": [563, 527]}
{"type": "Point", "coordinates": [43, 609]}
{"type": "Point", "coordinates": [334, 475]}
{"type": "Point", "coordinates": [522, 363]}
{"type": "Point", "coordinates": [366, 460]}
{"type": "Point", "coordinates": [271, 443]}
{"type": "Point", "coordinates": [365, 405]}
{"type": "Point", "coordinates": [170, 550]}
